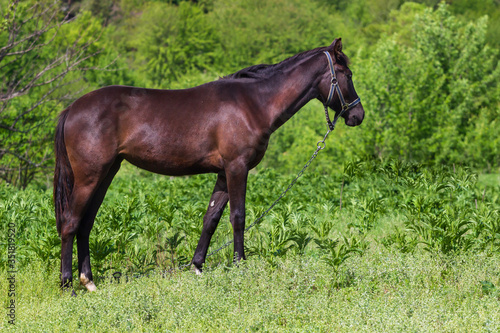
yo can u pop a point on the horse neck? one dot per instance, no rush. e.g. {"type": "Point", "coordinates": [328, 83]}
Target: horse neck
{"type": "Point", "coordinates": [293, 88]}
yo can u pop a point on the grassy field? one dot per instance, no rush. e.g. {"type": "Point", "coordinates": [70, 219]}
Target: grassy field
{"type": "Point", "coordinates": [413, 249]}
{"type": "Point", "coordinates": [386, 292]}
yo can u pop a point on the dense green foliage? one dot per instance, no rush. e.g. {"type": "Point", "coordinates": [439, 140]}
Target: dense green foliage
{"type": "Point", "coordinates": [427, 73]}
{"type": "Point", "coordinates": [154, 221]}
{"type": "Point", "coordinates": [387, 246]}
{"type": "Point", "coordinates": [435, 93]}
{"type": "Point", "coordinates": [43, 61]}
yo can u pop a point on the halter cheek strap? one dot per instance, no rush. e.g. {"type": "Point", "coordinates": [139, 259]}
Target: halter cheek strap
{"type": "Point", "coordinates": [334, 87]}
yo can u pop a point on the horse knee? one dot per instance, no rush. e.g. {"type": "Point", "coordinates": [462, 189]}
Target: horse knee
{"type": "Point", "coordinates": [238, 220]}
{"type": "Point", "coordinates": [69, 226]}
{"type": "Point", "coordinates": [68, 231]}
{"type": "Point", "coordinates": [210, 222]}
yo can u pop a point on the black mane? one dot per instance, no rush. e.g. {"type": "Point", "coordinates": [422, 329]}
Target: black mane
{"type": "Point", "coordinates": [264, 71]}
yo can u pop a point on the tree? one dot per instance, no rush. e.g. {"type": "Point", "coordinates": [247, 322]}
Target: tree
{"type": "Point", "coordinates": [172, 41]}
{"type": "Point", "coordinates": [433, 89]}
{"type": "Point", "coordinates": [44, 54]}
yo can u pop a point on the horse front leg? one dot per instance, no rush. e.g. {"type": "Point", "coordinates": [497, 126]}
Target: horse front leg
{"type": "Point", "coordinates": [216, 206]}
{"type": "Point", "coordinates": [237, 176]}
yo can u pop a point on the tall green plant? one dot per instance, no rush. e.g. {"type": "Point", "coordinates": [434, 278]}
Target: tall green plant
{"type": "Point", "coordinates": [434, 92]}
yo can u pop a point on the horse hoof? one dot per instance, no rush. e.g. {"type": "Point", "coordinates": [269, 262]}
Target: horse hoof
{"type": "Point", "coordinates": [91, 286]}
{"type": "Point", "coordinates": [87, 283]}
{"type": "Point", "coordinates": [66, 290]}
{"type": "Point", "coordinates": [197, 270]}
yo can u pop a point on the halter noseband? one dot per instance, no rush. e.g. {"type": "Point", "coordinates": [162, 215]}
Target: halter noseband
{"type": "Point", "coordinates": [335, 87]}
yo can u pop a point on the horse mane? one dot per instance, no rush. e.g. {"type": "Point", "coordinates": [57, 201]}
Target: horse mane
{"type": "Point", "coordinates": [263, 71]}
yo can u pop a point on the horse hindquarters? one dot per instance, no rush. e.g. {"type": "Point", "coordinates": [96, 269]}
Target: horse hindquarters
{"type": "Point", "coordinates": [81, 179]}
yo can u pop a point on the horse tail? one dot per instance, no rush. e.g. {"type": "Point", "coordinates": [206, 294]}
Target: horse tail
{"type": "Point", "coordinates": [63, 174]}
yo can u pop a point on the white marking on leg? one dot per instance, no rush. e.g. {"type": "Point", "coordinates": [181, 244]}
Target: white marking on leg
{"type": "Point", "coordinates": [87, 283]}
{"type": "Point", "coordinates": [196, 270]}
{"type": "Point", "coordinates": [212, 203]}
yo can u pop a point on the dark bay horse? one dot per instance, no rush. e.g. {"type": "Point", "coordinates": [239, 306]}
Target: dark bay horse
{"type": "Point", "coordinates": [219, 127]}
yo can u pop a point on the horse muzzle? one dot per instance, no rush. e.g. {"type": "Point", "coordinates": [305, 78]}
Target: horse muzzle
{"type": "Point", "coordinates": [355, 116]}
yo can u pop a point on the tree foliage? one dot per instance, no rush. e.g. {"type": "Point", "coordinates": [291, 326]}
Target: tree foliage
{"type": "Point", "coordinates": [427, 72]}
{"type": "Point", "coordinates": [172, 41]}
{"type": "Point", "coordinates": [432, 96]}
{"type": "Point", "coordinates": [44, 54]}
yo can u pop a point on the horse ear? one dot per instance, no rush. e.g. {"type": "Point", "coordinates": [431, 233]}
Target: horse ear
{"type": "Point", "coordinates": [336, 46]}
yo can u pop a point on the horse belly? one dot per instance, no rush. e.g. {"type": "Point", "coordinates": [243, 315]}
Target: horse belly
{"type": "Point", "coordinates": [172, 157]}
{"type": "Point", "coordinates": [173, 166]}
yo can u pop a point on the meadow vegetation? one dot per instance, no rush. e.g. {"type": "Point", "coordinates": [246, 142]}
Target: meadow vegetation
{"type": "Point", "coordinates": [412, 247]}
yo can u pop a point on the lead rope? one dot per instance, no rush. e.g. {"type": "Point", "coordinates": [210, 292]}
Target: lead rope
{"type": "Point", "coordinates": [320, 145]}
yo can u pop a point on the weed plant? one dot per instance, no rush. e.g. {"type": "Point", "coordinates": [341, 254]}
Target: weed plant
{"type": "Point", "coordinates": [412, 247]}
{"type": "Point", "coordinates": [153, 221]}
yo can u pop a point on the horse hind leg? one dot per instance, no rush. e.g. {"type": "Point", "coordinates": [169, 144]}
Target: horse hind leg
{"type": "Point", "coordinates": [72, 217]}
{"type": "Point", "coordinates": [83, 233]}
{"type": "Point", "coordinates": [78, 218]}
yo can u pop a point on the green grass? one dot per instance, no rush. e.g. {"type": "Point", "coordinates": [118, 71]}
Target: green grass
{"type": "Point", "coordinates": [414, 248]}
{"type": "Point", "coordinates": [386, 292]}
{"type": "Point", "coordinates": [489, 179]}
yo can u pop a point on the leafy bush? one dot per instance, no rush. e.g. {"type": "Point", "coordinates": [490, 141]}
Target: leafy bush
{"type": "Point", "coordinates": [433, 91]}
{"type": "Point", "coordinates": [154, 221]}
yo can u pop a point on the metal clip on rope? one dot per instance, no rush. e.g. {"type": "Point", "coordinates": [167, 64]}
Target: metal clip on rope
{"type": "Point", "coordinates": [322, 144]}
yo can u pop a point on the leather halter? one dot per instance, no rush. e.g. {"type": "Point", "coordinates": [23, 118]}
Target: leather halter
{"type": "Point", "coordinates": [334, 87]}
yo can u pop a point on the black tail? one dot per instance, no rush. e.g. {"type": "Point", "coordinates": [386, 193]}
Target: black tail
{"type": "Point", "coordinates": [63, 174]}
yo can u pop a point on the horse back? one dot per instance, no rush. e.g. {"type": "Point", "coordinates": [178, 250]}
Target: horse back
{"type": "Point", "coordinates": [165, 131]}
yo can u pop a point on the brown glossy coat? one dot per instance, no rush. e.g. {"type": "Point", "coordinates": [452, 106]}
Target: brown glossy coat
{"type": "Point", "coordinates": [221, 127]}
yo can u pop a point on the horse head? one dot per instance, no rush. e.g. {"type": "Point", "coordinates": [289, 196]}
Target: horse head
{"type": "Point", "coordinates": [336, 88]}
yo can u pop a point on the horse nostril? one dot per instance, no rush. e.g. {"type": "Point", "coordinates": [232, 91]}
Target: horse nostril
{"type": "Point", "coordinates": [356, 120]}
